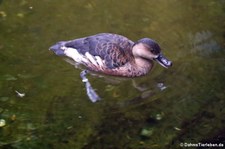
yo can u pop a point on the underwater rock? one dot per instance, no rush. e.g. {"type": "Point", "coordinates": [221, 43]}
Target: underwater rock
{"type": "Point", "coordinates": [2, 122]}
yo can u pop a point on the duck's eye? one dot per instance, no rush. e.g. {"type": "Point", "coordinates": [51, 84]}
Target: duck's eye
{"type": "Point", "coordinates": [154, 51]}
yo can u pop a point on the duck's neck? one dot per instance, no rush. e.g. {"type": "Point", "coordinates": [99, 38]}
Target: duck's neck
{"type": "Point", "coordinates": [143, 65]}
{"type": "Point", "coordinates": [142, 59]}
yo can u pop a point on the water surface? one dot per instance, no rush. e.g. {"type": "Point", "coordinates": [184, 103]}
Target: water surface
{"type": "Point", "coordinates": [182, 104]}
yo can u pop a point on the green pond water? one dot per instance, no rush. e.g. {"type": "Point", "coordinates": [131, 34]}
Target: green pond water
{"type": "Point", "coordinates": [43, 102]}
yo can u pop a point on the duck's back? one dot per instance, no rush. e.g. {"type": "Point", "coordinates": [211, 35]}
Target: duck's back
{"type": "Point", "coordinates": [114, 49]}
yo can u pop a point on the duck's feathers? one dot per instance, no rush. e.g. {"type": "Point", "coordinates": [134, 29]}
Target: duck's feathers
{"type": "Point", "coordinates": [114, 50]}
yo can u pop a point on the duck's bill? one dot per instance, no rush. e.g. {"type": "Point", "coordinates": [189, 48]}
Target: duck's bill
{"type": "Point", "coordinates": [162, 60]}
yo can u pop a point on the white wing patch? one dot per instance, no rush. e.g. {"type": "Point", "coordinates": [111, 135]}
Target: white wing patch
{"type": "Point", "coordinates": [91, 58]}
{"type": "Point", "coordinates": [96, 60]}
{"type": "Point", "coordinates": [74, 54]}
{"type": "Point", "coordinates": [99, 61]}
{"type": "Point", "coordinates": [80, 58]}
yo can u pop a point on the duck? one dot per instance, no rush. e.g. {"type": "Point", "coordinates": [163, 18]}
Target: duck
{"type": "Point", "coordinates": [113, 54]}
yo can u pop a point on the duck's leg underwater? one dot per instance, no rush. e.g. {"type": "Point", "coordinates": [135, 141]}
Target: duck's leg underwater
{"type": "Point", "coordinates": [93, 96]}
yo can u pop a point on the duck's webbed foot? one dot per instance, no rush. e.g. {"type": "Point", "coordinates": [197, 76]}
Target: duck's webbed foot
{"type": "Point", "coordinates": [93, 96]}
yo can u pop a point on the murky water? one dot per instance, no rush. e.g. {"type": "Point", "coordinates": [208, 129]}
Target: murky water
{"type": "Point", "coordinates": [43, 103]}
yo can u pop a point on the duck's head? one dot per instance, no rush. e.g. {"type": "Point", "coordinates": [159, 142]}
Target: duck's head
{"type": "Point", "coordinates": [148, 49]}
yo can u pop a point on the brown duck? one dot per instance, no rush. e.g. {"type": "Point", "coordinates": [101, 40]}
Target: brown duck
{"type": "Point", "coordinates": [113, 54]}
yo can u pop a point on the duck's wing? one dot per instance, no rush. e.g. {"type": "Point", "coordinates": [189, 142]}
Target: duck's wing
{"type": "Point", "coordinates": [114, 50]}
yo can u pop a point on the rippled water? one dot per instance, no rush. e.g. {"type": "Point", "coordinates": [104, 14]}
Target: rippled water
{"type": "Point", "coordinates": [43, 103]}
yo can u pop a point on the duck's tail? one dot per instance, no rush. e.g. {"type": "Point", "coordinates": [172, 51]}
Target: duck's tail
{"type": "Point", "coordinates": [58, 48]}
